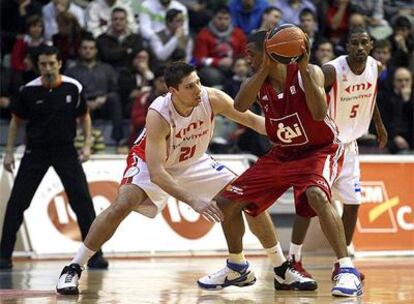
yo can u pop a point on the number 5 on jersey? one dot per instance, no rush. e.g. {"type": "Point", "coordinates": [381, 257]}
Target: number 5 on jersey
{"type": "Point", "coordinates": [354, 111]}
{"type": "Point", "coordinates": [187, 153]}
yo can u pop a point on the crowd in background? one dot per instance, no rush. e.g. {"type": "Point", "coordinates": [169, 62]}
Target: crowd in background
{"type": "Point", "coordinates": [117, 49]}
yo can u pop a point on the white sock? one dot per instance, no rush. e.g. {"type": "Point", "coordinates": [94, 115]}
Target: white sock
{"type": "Point", "coordinates": [275, 255]}
{"type": "Point", "coordinates": [237, 258]}
{"type": "Point", "coordinates": [295, 250]}
{"type": "Point", "coordinates": [83, 255]}
{"type": "Point", "coordinates": [345, 263]}
{"type": "Point", "coordinates": [350, 249]}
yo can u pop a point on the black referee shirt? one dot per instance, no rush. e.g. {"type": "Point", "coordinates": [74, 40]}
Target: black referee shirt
{"type": "Point", "coordinates": [50, 112]}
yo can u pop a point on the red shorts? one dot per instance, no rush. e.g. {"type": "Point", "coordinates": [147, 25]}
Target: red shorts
{"type": "Point", "coordinates": [263, 183]}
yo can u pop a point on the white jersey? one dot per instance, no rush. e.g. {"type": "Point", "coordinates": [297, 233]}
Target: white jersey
{"type": "Point", "coordinates": [352, 98]}
{"type": "Point", "coordinates": [189, 135]}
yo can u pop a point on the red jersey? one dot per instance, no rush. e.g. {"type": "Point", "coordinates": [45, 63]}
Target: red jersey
{"type": "Point", "coordinates": [289, 123]}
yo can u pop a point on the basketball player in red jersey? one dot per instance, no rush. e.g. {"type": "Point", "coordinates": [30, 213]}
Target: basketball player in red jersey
{"type": "Point", "coordinates": [352, 83]}
{"type": "Point", "coordinates": [305, 156]}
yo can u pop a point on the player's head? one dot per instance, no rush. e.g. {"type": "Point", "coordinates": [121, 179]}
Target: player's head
{"type": "Point", "coordinates": [359, 44]}
{"type": "Point", "coordinates": [183, 82]}
{"type": "Point", "coordinates": [255, 49]}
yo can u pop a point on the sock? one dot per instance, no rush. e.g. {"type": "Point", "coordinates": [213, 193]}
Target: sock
{"type": "Point", "coordinates": [275, 255]}
{"type": "Point", "coordinates": [295, 250]}
{"type": "Point", "coordinates": [350, 249]}
{"type": "Point", "coordinates": [345, 263]}
{"type": "Point", "coordinates": [237, 258]}
{"type": "Point", "coordinates": [83, 255]}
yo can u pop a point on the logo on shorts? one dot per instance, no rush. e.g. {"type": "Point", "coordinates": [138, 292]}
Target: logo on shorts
{"type": "Point", "coordinates": [185, 221]}
{"type": "Point", "coordinates": [357, 187]}
{"type": "Point", "coordinates": [234, 189]}
{"type": "Point", "coordinates": [290, 131]}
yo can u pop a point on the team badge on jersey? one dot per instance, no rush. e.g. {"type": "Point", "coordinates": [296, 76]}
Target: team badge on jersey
{"type": "Point", "coordinates": [68, 98]}
{"type": "Point", "coordinates": [290, 131]}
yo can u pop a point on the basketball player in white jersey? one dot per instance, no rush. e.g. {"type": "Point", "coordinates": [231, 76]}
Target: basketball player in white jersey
{"type": "Point", "coordinates": [352, 83]}
{"type": "Point", "coordinates": [169, 159]}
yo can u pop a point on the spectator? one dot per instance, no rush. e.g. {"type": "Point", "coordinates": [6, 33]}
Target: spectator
{"type": "Point", "coordinates": [68, 37]}
{"type": "Point", "coordinates": [402, 42]}
{"type": "Point", "coordinates": [337, 20]}
{"type": "Point", "coordinates": [382, 52]}
{"type": "Point", "coordinates": [14, 14]}
{"type": "Point", "coordinates": [373, 13]}
{"type": "Point", "coordinates": [323, 52]}
{"type": "Point", "coordinates": [98, 16]}
{"type": "Point", "coordinates": [26, 46]}
{"type": "Point", "coordinates": [240, 73]}
{"type": "Point", "coordinates": [198, 12]}
{"type": "Point", "coordinates": [51, 105]}
{"type": "Point", "coordinates": [309, 25]}
{"type": "Point", "coordinates": [292, 8]}
{"type": "Point", "coordinates": [99, 81]}
{"type": "Point", "coordinates": [135, 80]}
{"type": "Point", "coordinates": [247, 14]}
{"type": "Point", "coordinates": [271, 17]}
{"type": "Point", "coordinates": [172, 44]}
{"type": "Point", "coordinates": [143, 101]}
{"type": "Point", "coordinates": [216, 46]}
{"type": "Point", "coordinates": [117, 45]}
{"type": "Point", "coordinates": [152, 16]}
{"type": "Point", "coordinates": [53, 8]}
{"type": "Point", "coordinates": [397, 111]}
{"type": "Point", "coordinates": [9, 89]}
{"type": "Point", "coordinates": [398, 7]}
{"type": "Point", "coordinates": [357, 20]}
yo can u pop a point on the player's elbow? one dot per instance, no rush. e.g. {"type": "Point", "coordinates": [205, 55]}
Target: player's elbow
{"type": "Point", "coordinates": [239, 106]}
{"type": "Point", "coordinates": [155, 177]}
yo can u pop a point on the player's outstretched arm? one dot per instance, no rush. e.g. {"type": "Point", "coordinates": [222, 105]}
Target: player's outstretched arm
{"type": "Point", "coordinates": [156, 154]}
{"type": "Point", "coordinates": [223, 104]}
{"type": "Point", "coordinates": [249, 89]}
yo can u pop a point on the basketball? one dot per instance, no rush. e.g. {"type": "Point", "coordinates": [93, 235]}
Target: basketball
{"type": "Point", "coordinates": [284, 43]}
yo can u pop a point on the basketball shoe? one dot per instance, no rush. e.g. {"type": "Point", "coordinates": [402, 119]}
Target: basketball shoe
{"type": "Point", "coordinates": [68, 280]}
{"type": "Point", "coordinates": [335, 272]}
{"type": "Point", "coordinates": [286, 277]}
{"type": "Point", "coordinates": [347, 283]}
{"type": "Point", "coordinates": [297, 265]}
{"type": "Point", "coordinates": [231, 275]}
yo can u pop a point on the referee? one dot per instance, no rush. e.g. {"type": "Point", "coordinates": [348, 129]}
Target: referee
{"type": "Point", "coordinates": [51, 105]}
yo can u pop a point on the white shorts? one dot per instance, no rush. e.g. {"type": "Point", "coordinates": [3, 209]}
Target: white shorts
{"type": "Point", "coordinates": [204, 178]}
{"type": "Point", "coordinates": [346, 187]}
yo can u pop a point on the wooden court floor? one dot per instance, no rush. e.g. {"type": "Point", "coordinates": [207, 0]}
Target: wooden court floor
{"type": "Point", "coordinates": [173, 281]}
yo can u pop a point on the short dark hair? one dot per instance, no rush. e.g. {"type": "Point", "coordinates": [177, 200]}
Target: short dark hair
{"type": "Point", "coordinates": [119, 10]}
{"type": "Point", "coordinates": [257, 38]}
{"type": "Point", "coordinates": [382, 44]}
{"type": "Point", "coordinates": [87, 37]}
{"type": "Point", "coordinates": [33, 20]}
{"type": "Point", "coordinates": [357, 30]}
{"type": "Point", "coordinates": [171, 13]}
{"type": "Point", "coordinates": [176, 71]}
{"type": "Point", "coordinates": [48, 51]}
{"type": "Point", "coordinates": [224, 9]}
{"type": "Point", "coordinates": [271, 9]}
{"type": "Point", "coordinates": [402, 21]}
{"type": "Point", "coordinates": [307, 11]}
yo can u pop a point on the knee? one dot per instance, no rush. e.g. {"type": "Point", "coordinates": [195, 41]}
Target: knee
{"type": "Point", "coordinates": [316, 198]}
{"type": "Point", "coordinates": [229, 208]}
{"type": "Point", "coordinates": [121, 208]}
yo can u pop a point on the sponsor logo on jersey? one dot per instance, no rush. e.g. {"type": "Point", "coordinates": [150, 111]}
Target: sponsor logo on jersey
{"type": "Point", "coordinates": [292, 90]}
{"type": "Point", "coordinates": [195, 125]}
{"type": "Point", "coordinates": [290, 131]}
{"type": "Point", "coordinates": [68, 98]}
{"type": "Point", "coordinates": [234, 189]}
{"type": "Point", "coordinates": [358, 87]}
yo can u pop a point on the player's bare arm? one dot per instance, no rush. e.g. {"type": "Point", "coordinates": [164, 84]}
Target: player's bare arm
{"type": "Point", "coordinates": [223, 104]}
{"type": "Point", "coordinates": [156, 154]}
{"type": "Point", "coordinates": [376, 117]}
{"type": "Point", "coordinates": [313, 84]}
{"type": "Point", "coordinates": [329, 74]}
{"type": "Point", "coordinates": [249, 89]}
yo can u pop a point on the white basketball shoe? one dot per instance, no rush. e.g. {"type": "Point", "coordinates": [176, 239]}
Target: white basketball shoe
{"type": "Point", "coordinates": [68, 280]}
{"type": "Point", "coordinates": [288, 278]}
{"type": "Point", "coordinates": [347, 283]}
{"type": "Point", "coordinates": [231, 275]}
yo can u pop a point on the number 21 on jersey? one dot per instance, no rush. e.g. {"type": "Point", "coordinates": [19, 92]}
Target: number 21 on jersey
{"type": "Point", "coordinates": [187, 153]}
